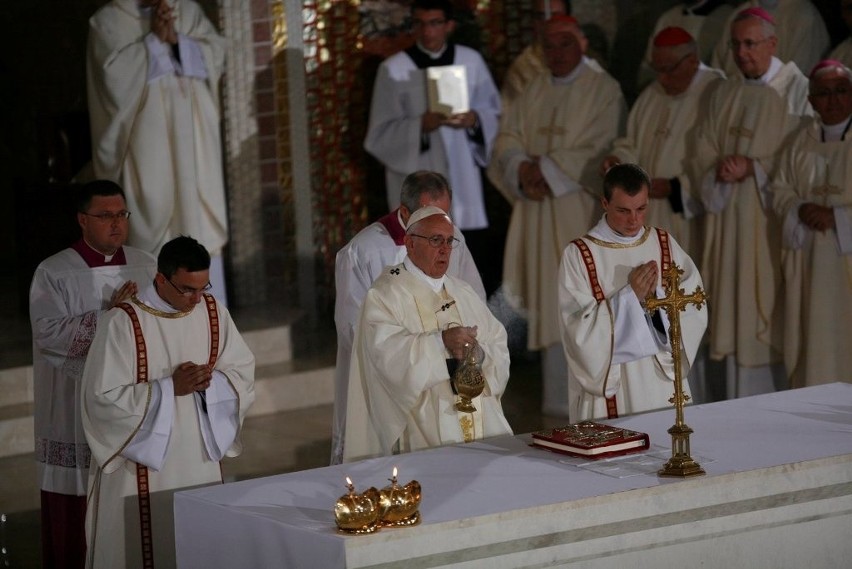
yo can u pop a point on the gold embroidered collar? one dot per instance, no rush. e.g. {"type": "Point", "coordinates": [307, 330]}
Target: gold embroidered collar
{"type": "Point", "coordinates": [612, 245]}
{"type": "Point", "coordinates": [159, 313]}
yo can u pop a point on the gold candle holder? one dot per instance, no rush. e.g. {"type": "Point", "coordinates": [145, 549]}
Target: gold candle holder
{"type": "Point", "coordinates": [357, 513]}
{"type": "Point", "coordinates": [399, 505]}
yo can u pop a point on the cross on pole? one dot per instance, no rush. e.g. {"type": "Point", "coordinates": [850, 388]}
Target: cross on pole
{"type": "Point", "coordinates": [674, 302]}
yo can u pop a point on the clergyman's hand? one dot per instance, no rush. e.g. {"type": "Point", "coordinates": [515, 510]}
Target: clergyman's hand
{"type": "Point", "coordinates": [123, 293]}
{"type": "Point", "coordinates": [608, 163]}
{"type": "Point", "coordinates": [190, 377]}
{"type": "Point", "coordinates": [457, 339]}
{"type": "Point", "coordinates": [643, 280]}
{"type": "Point", "coordinates": [816, 217]}
{"type": "Point", "coordinates": [163, 22]}
{"type": "Point", "coordinates": [431, 121]}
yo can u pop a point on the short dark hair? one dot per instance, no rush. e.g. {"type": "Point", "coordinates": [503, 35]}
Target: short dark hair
{"type": "Point", "coordinates": [631, 178]}
{"type": "Point", "coordinates": [182, 252]}
{"type": "Point", "coordinates": [423, 182]}
{"type": "Point", "coordinates": [97, 188]}
{"type": "Point", "coordinates": [444, 5]}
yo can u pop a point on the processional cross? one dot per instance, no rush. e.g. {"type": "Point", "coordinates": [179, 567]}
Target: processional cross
{"type": "Point", "coordinates": [675, 301]}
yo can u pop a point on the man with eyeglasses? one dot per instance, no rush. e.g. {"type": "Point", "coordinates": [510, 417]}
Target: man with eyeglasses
{"type": "Point", "coordinates": [546, 159]}
{"type": "Point", "coordinates": [661, 134]}
{"type": "Point", "coordinates": [751, 116]}
{"type": "Point", "coordinates": [405, 136]}
{"type": "Point", "coordinates": [802, 37]}
{"type": "Point", "coordinates": [164, 393]}
{"type": "Point", "coordinates": [813, 200]}
{"type": "Point", "coordinates": [416, 324]}
{"type": "Point", "coordinates": [69, 296]}
{"type": "Point", "coordinates": [361, 261]}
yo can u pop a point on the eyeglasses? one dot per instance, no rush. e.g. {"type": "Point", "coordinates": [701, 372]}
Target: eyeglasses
{"type": "Point", "coordinates": [435, 23]}
{"type": "Point", "coordinates": [747, 45]}
{"type": "Point", "coordinates": [826, 93]}
{"type": "Point", "coordinates": [189, 293]}
{"type": "Point", "coordinates": [108, 217]}
{"type": "Point", "coordinates": [666, 69]}
{"type": "Point", "coordinates": [437, 241]}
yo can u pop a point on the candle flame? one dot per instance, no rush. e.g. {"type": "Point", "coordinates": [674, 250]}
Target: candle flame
{"type": "Point", "coordinates": [348, 481]}
{"type": "Point", "coordinates": [394, 471]}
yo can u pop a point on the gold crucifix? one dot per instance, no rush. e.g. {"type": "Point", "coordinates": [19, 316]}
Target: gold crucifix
{"type": "Point", "coordinates": [674, 302]}
{"type": "Point", "coordinates": [827, 189]}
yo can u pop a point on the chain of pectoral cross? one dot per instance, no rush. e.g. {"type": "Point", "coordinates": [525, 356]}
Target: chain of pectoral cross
{"type": "Point", "coordinates": [827, 189]}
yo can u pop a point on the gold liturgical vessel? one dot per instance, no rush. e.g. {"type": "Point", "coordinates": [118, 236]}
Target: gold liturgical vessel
{"type": "Point", "coordinates": [676, 301]}
{"type": "Point", "coordinates": [357, 513]}
{"type": "Point", "coordinates": [468, 380]}
{"type": "Point", "coordinates": [399, 506]}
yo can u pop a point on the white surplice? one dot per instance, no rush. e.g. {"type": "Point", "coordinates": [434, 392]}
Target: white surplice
{"type": "Point", "coordinates": [394, 134]}
{"type": "Point", "coordinates": [179, 438]}
{"type": "Point", "coordinates": [817, 168]}
{"type": "Point", "coordinates": [67, 300]}
{"type": "Point", "coordinates": [357, 265]}
{"type": "Point", "coordinates": [661, 136]}
{"type": "Point", "coordinates": [611, 346]}
{"type": "Point", "coordinates": [155, 122]}
{"type": "Point", "coordinates": [400, 397]}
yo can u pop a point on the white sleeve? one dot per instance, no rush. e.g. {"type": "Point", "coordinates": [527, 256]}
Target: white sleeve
{"type": "Point", "coordinates": [150, 443]}
{"type": "Point", "coordinates": [160, 61]}
{"type": "Point", "coordinates": [764, 188]}
{"type": "Point", "coordinates": [633, 332]}
{"type": "Point", "coordinates": [218, 412]}
{"type": "Point", "coordinates": [793, 231]}
{"type": "Point", "coordinates": [191, 58]}
{"type": "Point", "coordinates": [715, 195]}
{"type": "Point", "coordinates": [843, 225]}
{"type": "Point", "coordinates": [559, 183]}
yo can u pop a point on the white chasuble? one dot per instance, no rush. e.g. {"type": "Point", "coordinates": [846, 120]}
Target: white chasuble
{"type": "Point", "coordinates": [569, 127]}
{"type": "Point", "coordinates": [400, 397]}
{"type": "Point", "coordinates": [159, 139]}
{"type": "Point", "coordinates": [742, 253]}
{"type": "Point", "coordinates": [606, 334]}
{"type": "Point", "coordinates": [122, 417]}
{"type": "Point", "coordinates": [661, 137]}
{"type": "Point", "coordinates": [67, 300]}
{"type": "Point", "coordinates": [817, 264]}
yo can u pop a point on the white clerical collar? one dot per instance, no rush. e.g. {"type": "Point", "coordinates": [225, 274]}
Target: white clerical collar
{"type": "Point", "coordinates": [149, 297]}
{"type": "Point", "coordinates": [836, 132]}
{"type": "Point", "coordinates": [432, 54]}
{"type": "Point", "coordinates": [399, 218]}
{"type": "Point", "coordinates": [107, 258]}
{"type": "Point", "coordinates": [774, 67]}
{"type": "Point", "coordinates": [435, 284]}
{"type": "Point", "coordinates": [571, 77]}
{"type": "Point", "coordinates": [604, 232]}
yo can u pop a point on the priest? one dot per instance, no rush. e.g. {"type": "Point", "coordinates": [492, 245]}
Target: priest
{"type": "Point", "coordinates": [546, 161]}
{"type": "Point", "coordinates": [405, 135]}
{"type": "Point", "coordinates": [619, 355]}
{"type": "Point", "coordinates": [70, 294]}
{"type": "Point", "coordinates": [750, 117]}
{"type": "Point", "coordinates": [153, 70]}
{"type": "Point", "coordinates": [361, 261]}
{"type": "Point", "coordinates": [164, 393]}
{"type": "Point", "coordinates": [813, 191]}
{"type": "Point", "coordinates": [416, 324]}
{"type": "Point", "coordinates": [661, 134]}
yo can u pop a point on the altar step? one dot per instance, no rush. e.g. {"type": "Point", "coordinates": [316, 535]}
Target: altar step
{"type": "Point", "coordinates": [282, 383]}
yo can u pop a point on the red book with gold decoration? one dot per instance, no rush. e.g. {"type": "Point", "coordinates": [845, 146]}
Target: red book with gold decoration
{"type": "Point", "coordinates": [591, 440]}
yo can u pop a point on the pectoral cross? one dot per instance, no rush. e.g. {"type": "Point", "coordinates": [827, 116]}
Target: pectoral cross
{"type": "Point", "coordinates": [674, 302]}
{"type": "Point", "coordinates": [827, 189]}
{"type": "Point", "coordinates": [740, 132]}
{"type": "Point", "coordinates": [551, 131]}
{"type": "Point", "coordinates": [661, 133]}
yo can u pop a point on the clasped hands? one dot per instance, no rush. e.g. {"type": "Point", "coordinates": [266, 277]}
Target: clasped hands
{"type": "Point", "coordinates": [816, 217]}
{"type": "Point", "coordinates": [734, 168]}
{"type": "Point", "coordinates": [190, 377]}
{"type": "Point", "coordinates": [531, 180]}
{"type": "Point", "coordinates": [163, 22]}
{"type": "Point", "coordinates": [458, 339]}
{"type": "Point", "coordinates": [643, 280]}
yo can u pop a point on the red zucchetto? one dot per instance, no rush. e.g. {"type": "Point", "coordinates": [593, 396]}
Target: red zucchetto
{"type": "Point", "coordinates": [758, 12]}
{"type": "Point", "coordinates": [672, 36]}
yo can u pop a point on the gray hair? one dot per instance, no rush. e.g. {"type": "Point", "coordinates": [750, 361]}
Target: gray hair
{"type": "Point", "coordinates": [423, 182]}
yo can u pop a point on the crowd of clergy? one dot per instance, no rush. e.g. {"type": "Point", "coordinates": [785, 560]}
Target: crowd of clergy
{"type": "Point", "coordinates": [731, 164]}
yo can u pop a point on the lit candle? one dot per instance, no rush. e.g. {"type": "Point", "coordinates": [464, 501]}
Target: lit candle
{"type": "Point", "coordinates": [350, 486]}
{"type": "Point", "coordinates": [393, 480]}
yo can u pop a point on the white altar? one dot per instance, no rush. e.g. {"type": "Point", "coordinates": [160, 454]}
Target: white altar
{"type": "Point", "coordinates": [778, 493]}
